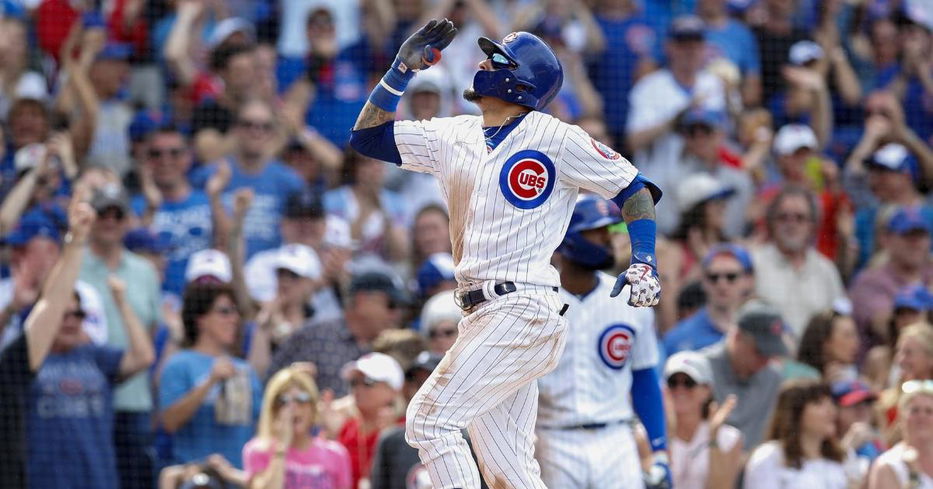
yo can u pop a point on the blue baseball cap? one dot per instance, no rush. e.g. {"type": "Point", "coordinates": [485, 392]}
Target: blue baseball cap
{"type": "Point", "coordinates": [915, 297]}
{"type": "Point", "coordinates": [118, 51]}
{"type": "Point", "coordinates": [712, 118]}
{"type": "Point", "coordinates": [143, 240]}
{"type": "Point", "coordinates": [144, 123]}
{"type": "Point", "coordinates": [687, 28]}
{"type": "Point", "coordinates": [850, 393]}
{"type": "Point", "coordinates": [907, 219]}
{"type": "Point", "coordinates": [33, 225]}
{"type": "Point", "coordinates": [733, 250]}
{"type": "Point", "coordinates": [438, 268]}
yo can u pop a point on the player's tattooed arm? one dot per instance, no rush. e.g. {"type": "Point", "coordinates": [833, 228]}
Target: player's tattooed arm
{"type": "Point", "coordinates": [638, 206]}
{"type": "Point", "coordinates": [372, 116]}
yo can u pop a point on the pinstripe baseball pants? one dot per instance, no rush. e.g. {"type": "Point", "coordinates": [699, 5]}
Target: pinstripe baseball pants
{"type": "Point", "coordinates": [485, 383]}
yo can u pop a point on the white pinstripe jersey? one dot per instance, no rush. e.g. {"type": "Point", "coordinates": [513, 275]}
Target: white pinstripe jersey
{"type": "Point", "coordinates": [606, 340]}
{"type": "Point", "coordinates": [509, 208]}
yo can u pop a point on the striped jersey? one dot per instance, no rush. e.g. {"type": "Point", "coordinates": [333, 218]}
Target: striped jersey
{"type": "Point", "coordinates": [510, 207]}
{"type": "Point", "coordinates": [606, 340]}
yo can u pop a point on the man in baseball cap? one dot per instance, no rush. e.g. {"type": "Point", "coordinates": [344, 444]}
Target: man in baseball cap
{"type": "Point", "coordinates": [742, 366]}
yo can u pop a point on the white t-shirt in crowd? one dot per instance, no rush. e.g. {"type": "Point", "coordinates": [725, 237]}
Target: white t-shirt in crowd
{"type": "Point", "coordinates": [894, 458]}
{"type": "Point", "coordinates": [766, 470]}
{"type": "Point", "coordinates": [690, 459]}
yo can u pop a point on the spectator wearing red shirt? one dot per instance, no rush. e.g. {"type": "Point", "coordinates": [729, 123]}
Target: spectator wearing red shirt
{"type": "Point", "coordinates": [375, 382]}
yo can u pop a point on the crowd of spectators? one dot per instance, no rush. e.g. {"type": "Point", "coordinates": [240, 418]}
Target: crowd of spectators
{"type": "Point", "coordinates": [202, 286]}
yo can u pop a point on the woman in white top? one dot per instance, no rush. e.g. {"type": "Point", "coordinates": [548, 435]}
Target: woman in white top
{"type": "Point", "coordinates": [909, 464]}
{"type": "Point", "coordinates": [802, 451]}
{"type": "Point", "coordinates": [705, 453]}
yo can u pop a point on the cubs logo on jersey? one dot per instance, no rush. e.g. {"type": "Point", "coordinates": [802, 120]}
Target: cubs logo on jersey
{"type": "Point", "coordinates": [527, 179]}
{"type": "Point", "coordinates": [615, 345]}
{"type": "Point", "coordinates": [604, 151]}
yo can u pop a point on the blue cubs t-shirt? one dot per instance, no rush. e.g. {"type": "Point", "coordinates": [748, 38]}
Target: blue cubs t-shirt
{"type": "Point", "coordinates": [735, 42]}
{"type": "Point", "coordinates": [186, 226]}
{"type": "Point", "coordinates": [271, 185]}
{"type": "Point", "coordinates": [69, 425]}
{"type": "Point", "coordinates": [202, 435]}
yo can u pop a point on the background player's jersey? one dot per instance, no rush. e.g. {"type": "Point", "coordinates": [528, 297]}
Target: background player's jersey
{"type": "Point", "coordinates": [606, 340]}
{"type": "Point", "coordinates": [509, 208]}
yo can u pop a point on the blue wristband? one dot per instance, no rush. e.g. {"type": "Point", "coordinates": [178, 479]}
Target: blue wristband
{"type": "Point", "coordinates": [388, 92]}
{"type": "Point", "coordinates": [642, 234]}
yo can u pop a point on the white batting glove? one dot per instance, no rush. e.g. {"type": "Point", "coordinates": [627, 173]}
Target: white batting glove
{"type": "Point", "coordinates": [644, 282]}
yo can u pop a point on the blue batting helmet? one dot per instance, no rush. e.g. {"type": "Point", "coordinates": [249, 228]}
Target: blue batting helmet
{"type": "Point", "coordinates": [525, 71]}
{"type": "Point", "coordinates": [590, 212]}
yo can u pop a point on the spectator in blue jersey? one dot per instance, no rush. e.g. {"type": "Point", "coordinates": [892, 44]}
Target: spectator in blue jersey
{"type": "Point", "coordinates": [209, 400]}
{"type": "Point", "coordinates": [170, 207]}
{"type": "Point", "coordinates": [728, 280]}
{"type": "Point", "coordinates": [250, 166]}
{"type": "Point", "coordinates": [729, 38]}
{"type": "Point", "coordinates": [630, 45]}
{"type": "Point", "coordinates": [336, 75]}
{"type": "Point", "coordinates": [71, 419]}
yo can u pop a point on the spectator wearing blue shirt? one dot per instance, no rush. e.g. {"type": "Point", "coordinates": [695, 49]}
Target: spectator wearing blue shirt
{"type": "Point", "coordinates": [250, 166]}
{"type": "Point", "coordinates": [728, 280]}
{"type": "Point", "coordinates": [70, 420]}
{"type": "Point", "coordinates": [336, 75]}
{"type": "Point", "coordinates": [170, 207]}
{"type": "Point", "coordinates": [630, 46]}
{"type": "Point", "coordinates": [209, 400]}
{"type": "Point", "coordinates": [730, 39]}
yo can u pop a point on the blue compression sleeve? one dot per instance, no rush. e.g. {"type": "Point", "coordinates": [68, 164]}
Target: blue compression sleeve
{"type": "Point", "coordinates": [377, 142]}
{"type": "Point", "coordinates": [648, 404]}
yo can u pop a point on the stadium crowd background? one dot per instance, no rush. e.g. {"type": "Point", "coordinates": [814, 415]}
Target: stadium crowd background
{"type": "Point", "coordinates": [238, 245]}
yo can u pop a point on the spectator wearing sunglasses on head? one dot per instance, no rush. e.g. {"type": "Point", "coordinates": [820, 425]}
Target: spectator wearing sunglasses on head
{"type": "Point", "coordinates": [285, 454]}
{"type": "Point", "coordinates": [908, 464]}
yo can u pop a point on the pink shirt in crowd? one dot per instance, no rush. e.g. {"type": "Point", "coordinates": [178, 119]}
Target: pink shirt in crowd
{"type": "Point", "coordinates": [323, 464]}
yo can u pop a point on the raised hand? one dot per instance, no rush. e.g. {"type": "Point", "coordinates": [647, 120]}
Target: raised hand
{"type": "Point", "coordinates": [117, 288]}
{"type": "Point", "coordinates": [219, 180]}
{"type": "Point", "coordinates": [645, 285]}
{"type": "Point", "coordinates": [423, 48]}
{"type": "Point", "coordinates": [222, 369]}
{"type": "Point", "coordinates": [80, 218]}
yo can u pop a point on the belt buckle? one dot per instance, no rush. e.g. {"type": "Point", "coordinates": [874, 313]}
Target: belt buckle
{"type": "Point", "coordinates": [458, 300]}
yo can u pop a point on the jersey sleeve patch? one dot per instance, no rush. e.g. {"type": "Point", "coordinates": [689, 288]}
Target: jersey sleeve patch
{"type": "Point", "coordinates": [605, 151]}
{"type": "Point", "coordinates": [615, 345]}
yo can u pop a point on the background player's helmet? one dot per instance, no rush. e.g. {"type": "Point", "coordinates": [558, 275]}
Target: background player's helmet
{"type": "Point", "coordinates": [590, 212]}
{"type": "Point", "coordinates": [526, 71]}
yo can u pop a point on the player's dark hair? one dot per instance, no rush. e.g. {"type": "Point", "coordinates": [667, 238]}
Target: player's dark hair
{"type": "Point", "coordinates": [787, 421]}
{"type": "Point", "coordinates": [818, 330]}
{"type": "Point", "coordinates": [199, 299]}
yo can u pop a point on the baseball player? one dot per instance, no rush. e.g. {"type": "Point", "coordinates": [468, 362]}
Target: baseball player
{"type": "Point", "coordinates": [510, 177]}
{"type": "Point", "coordinates": [584, 429]}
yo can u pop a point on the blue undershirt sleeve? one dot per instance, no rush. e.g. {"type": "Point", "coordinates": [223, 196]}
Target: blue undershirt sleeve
{"type": "Point", "coordinates": [648, 404]}
{"type": "Point", "coordinates": [377, 142]}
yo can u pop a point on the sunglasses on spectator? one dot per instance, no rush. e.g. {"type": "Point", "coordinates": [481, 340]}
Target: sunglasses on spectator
{"type": "Point", "coordinates": [363, 381]}
{"type": "Point", "coordinates": [265, 126]}
{"type": "Point", "coordinates": [500, 62]}
{"type": "Point", "coordinates": [300, 398]}
{"type": "Point", "coordinates": [680, 381]}
{"type": "Point", "coordinates": [78, 314]}
{"type": "Point", "coordinates": [156, 153]}
{"type": "Point", "coordinates": [111, 213]}
{"type": "Point", "coordinates": [442, 333]}
{"type": "Point", "coordinates": [730, 277]}
{"type": "Point", "coordinates": [697, 130]}
{"type": "Point", "coordinates": [912, 386]}
{"type": "Point", "coordinates": [226, 311]}
{"type": "Point", "coordinates": [797, 217]}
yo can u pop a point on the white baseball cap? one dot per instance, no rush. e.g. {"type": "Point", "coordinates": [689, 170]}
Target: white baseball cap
{"type": "Point", "coordinates": [803, 52]}
{"type": "Point", "coordinates": [792, 137]}
{"type": "Point", "coordinates": [692, 363]}
{"type": "Point", "coordinates": [300, 259]}
{"type": "Point", "coordinates": [699, 188]}
{"type": "Point", "coordinates": [228, 27]}
{"type": "Point", "coordinates": [440, 307]}
{"type": "Point", "coordinates": [209, 263]}
{"type": "Point", "coordinates": [377, 366]}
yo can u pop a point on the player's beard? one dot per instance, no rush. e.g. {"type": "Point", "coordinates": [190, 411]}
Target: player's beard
{"type": "Point", "coordinates": [470, 95]}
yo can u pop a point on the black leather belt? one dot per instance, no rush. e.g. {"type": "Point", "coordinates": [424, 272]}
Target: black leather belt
{"type": "Point", "coordinates": [594, 426]}
{"type": "Point", "coordinates": [476, 297]}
